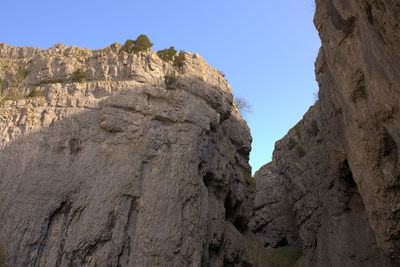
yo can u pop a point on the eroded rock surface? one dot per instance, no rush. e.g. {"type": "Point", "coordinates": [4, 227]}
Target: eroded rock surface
{"type": "Point", "coordinates": [336, 174]}
{"type": "Point", "coordinates": [118, 170]}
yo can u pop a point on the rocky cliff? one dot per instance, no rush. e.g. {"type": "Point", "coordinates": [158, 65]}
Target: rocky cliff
{"type": "Point", "coordinates": [110, 158]}
{"type": "Point", "coordinates": [332, 190]}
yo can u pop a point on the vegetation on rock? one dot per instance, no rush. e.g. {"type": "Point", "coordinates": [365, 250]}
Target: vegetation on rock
{"type": "Point", "coordinates": [80, 75]}
{"type": "Point", "coordinates": [171, 81]}
{"type": "Point", "coordinates": [14, 95]}
{"type": "Point", "coordinates": [292, 143]}
{"type": "Point", "coordinates": [33, 93]}
{"type": "Point", "coordinates": [21, 73]}
{"type": "Point", "coordinates": [242, 104]}
{"type": "Point", "coordinates": [300, 151]}
{"type": "Point", "coordinates": [298, 131]}
{"type": "Point", "coordinates": [167, 54]}
{"type": "Point", "coordinates": [19, 76]}
{"type": "Point", "coordinates": [141, 44]}
{"type": "Point", "coordinates": [179, 60]}
{"type": "Point", "coordinates": [314, 128]}
{"type": "Point", "coordinates": [128, 46]}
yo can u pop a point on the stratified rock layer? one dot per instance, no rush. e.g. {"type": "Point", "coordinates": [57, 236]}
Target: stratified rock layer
{"type": "Point", "coordinates": [335, 178]}
{"type": "Point", "coordinates": [118, 170]}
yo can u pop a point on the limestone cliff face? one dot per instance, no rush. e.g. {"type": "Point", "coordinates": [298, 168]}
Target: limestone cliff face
{"type": "Point", "coordinates": [333, 187]}
{"type": "Point", "coordinates": [118, 170]}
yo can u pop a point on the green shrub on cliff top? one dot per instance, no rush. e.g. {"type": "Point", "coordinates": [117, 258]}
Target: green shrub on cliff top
{"type": "Point", "coordinates": [179, 60]}
{"type": "Point", "coordinates": [128, 46]}
{"type": "Point", "coordinates": [141, 44]}
{"type": "Point", "coordinates": [167, 54]}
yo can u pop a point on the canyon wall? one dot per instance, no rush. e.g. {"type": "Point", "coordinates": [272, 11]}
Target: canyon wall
{"type": "Point", "coordinates": [332, 190]}
{"type": "Point", "coordinates": [110, 158]}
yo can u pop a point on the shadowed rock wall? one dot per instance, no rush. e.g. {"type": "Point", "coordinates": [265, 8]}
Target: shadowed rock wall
{"type": "Point", "coordinates": [332, 190]}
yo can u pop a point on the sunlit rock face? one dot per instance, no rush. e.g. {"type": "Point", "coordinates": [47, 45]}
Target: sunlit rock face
{"type": "Point", "coordinates": [107, 161]}
{"type": "Point", "coordinates": [332, 190]}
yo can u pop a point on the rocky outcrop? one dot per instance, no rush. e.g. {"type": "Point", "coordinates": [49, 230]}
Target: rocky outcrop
{"type": "Point", "coordinates": [116, 159]}
{"type": "Point", "coordinates": [334, 183]}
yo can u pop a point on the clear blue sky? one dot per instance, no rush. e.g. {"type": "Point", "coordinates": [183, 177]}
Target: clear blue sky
{"type": "Point", "coordinates": [266, 48]}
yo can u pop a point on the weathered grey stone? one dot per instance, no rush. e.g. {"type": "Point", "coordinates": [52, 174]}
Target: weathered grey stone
{"type": "Point", "coordinates": [273, 218]}
{"type": "Point", "coordinates": [340, 164]}
{"type": "Point", "coordinates": [117, 170]}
